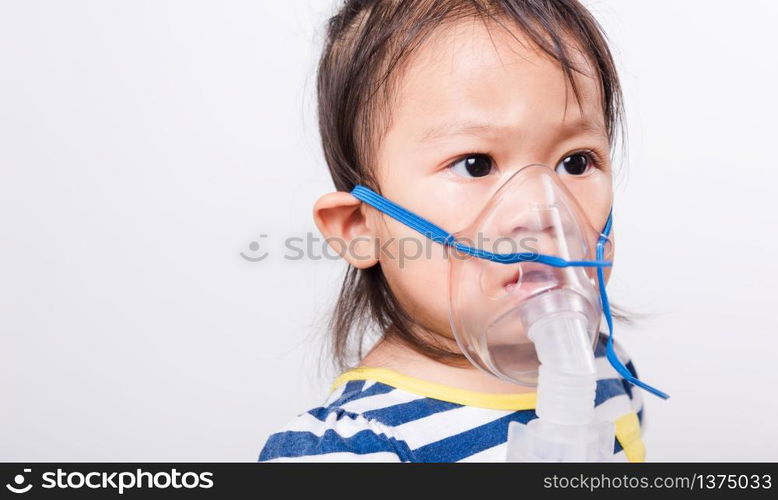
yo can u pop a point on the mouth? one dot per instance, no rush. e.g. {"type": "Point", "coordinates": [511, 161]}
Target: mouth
{"type": "Point", "coordinates": [531, 276]}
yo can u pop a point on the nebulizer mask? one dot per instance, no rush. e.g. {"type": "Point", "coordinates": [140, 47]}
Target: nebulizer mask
{"type": "Point", "coordinates": [527, 291]}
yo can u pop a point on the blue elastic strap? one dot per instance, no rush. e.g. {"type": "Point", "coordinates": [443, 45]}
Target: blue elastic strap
{"type": "Point", "coordinates": [443, 237]}
{"type": "Point", "coordinates": [610, 353]}
{"type": "Point", "coordinates": [439, 235]}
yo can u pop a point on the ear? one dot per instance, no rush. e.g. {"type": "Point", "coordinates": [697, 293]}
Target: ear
{"type": "Point", "coordinates": [340, 219]}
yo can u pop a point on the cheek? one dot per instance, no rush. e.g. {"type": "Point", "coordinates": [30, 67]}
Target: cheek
{"type": "Point", "coordinates": [607, 270]}
{"type": "Point", "coordinates": [417, 271]}
{"type": "Point", "coordinates": [595, 198]}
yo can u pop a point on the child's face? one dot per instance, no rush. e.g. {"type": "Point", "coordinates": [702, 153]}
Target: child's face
{"type": "Point", "coordinates": [471, 109]}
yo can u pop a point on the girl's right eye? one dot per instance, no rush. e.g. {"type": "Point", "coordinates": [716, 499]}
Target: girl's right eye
{"type": "Point", "coordinates": [474, 165]}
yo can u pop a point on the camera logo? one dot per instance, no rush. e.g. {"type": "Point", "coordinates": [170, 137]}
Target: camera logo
{"type": "Point", "coordinates": [254, 247]}
{"type": "Point", "coordinates": [19, 481]}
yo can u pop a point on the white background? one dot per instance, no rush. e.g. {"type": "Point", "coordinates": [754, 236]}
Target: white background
{"type": "Point", "coordinates": [145, 144]}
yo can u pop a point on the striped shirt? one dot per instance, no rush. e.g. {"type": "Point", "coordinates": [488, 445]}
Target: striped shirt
{"type": "Point", "coordinates": [377, 414]}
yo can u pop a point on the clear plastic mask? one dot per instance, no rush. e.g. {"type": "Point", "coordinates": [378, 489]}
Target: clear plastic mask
{"type": "Point", "coordinates": [492, 303]}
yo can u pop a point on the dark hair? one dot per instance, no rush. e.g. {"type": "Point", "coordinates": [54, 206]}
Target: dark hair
{"type": "Point", "coordinates": [366, 44]}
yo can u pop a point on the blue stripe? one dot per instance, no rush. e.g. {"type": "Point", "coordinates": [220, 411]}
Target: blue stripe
{"type": "Point", "coordinates": [407, 412]}
{"type": "Point", "coordinates": [321, 413]}
{"type": "Point", "coordinates": [617, 446]}
{"type": "Point", "coordinates": [293, 444]}
{"type": "Point", "coordinates": [608, 388]}
{"type": "Point", "coordinates": [472, 441]}
{"type": "Point", "coordinates": [599, 348]}
{"type": "Point", "coordinates": [627, 385]}
{"type": "Point", "coordinates": [374, 390]}
{"type": "Point", "coordinates": [352, 388]}
{"type": "Point", "coordinates": [354, 391]}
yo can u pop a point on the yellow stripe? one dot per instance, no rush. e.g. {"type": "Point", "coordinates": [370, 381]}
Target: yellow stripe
{"type": "Point", "coordinates": [628, 434]}
{"type": "Point", "coordinates": [627, 426]}
{"type": "Point", "coordinates": [517, 401]}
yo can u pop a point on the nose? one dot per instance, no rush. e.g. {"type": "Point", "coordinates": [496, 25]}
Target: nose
{"type": "Point", "coordinates": [528, 203]}
{"type": "Point", "coordinates": [531, 228]}
{"type": "Point", "coordinates": [532, 213]}
{"type": "Point", "coordinates": [530, 219]}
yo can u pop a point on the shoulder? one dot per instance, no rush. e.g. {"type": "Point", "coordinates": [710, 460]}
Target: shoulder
{"type": "Point", "coordinates": [342, 429]}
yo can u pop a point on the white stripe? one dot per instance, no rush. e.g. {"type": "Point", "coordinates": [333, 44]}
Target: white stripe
{"type": "Point", "coordinates": [441, 425]}
{"type": "Point", "coordinates": [345, 427]}
{"type": "Point", "coordinates": [637, 398]}
{"type": "Point", "coordinates": [342, 456]}
{"type": "Point", "coordinates": [335, 394]}
{"type": "Point", "coordinates": [605, 369]}
{"type": "Point", "coordinates": [613, 408]}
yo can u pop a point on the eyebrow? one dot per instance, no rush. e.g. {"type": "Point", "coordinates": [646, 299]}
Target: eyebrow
{"type": "Point", "coordinates": [469, 127]}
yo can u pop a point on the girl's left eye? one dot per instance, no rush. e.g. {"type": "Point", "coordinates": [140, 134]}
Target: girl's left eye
{"type": "Point", "coordinates": [575, 164]}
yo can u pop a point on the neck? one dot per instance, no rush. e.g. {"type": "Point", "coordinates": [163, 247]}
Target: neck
{"type": "Point", "coordinates": [403, 359]}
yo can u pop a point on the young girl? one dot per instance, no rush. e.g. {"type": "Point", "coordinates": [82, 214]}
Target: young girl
{"type": "Point", "coordinates": [435, 104]}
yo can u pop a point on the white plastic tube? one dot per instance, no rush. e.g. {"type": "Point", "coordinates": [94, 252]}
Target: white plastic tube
{"type": "Point", "coordinates": [565, 430]}
{"type": "Point", "coordinates": [567, 377]}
